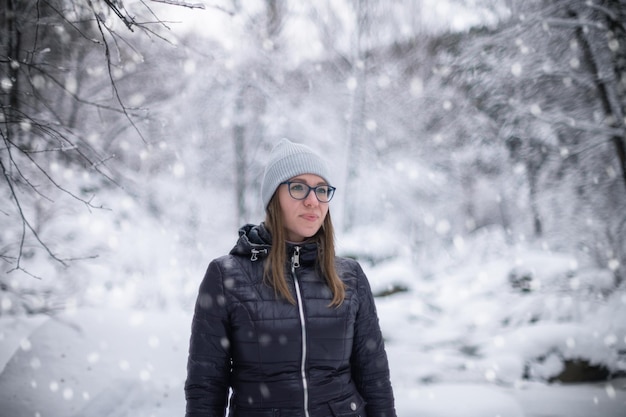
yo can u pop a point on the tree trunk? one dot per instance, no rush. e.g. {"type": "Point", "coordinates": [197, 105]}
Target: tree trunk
{"type": "Point", "coordinates": [607, 62]}
{"type": "Point", "coordinates": [600, 59]}
{"type": "Point", "coordinates": [10, 58]}
{"type": "Point", "coordinates": [356, 122]}
{"type": "Point", "coordinates": [239, 136]}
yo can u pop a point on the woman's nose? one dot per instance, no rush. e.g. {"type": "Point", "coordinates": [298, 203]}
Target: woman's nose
{"type": "Point", "coordinates": [311, 198]}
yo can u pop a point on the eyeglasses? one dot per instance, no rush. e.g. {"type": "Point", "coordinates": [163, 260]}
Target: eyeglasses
{"type": "Point", "coordinates": [300, 191]}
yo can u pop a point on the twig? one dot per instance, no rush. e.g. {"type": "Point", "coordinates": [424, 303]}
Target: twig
{"type": "Point", "coordinates": [113, 83]}
{"type": "Point", "coordinates": [181, 4]}
{"type": "Point", "coordinates": [25, 222]}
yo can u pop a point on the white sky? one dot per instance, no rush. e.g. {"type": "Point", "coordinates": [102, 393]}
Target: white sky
{"type": "Point", "coordinates": [217, 21]}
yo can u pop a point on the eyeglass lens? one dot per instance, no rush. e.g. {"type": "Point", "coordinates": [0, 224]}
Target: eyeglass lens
{"type": "Point", "coordinates": [300, 191]}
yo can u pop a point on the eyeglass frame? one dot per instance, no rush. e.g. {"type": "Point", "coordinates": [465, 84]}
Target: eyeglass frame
{"type": "Point", "coordinates": [331, 190]}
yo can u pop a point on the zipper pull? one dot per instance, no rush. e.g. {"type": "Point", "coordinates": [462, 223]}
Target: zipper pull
{"type": "Point", "coordinates": [255, 254]}
{"type": "Point", "coordinates": [295, 258]}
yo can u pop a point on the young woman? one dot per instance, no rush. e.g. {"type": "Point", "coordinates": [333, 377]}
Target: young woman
{"type": "Point", "coordinates": [282, 327]}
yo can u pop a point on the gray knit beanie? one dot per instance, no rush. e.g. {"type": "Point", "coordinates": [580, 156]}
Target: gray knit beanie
{"type": "Point", "coordinates": [287, 160]}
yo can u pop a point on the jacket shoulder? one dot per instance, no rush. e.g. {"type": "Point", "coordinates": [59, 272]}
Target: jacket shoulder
{"type": "Point", "coordinates": [350, 263]}
{"type": "Point", "coordinates": [224, 261]}
{"type": "Point", "coordinates": [348, 269]}
{"type": "Point", "coordinates": [237, 269]}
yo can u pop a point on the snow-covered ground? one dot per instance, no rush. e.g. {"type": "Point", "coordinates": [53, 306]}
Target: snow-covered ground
{"type": "Point", "coordinates": [94, 363]}
{"type": "Point", "coordinates": [478, 334]}
{"type": "Point", "coordinates": [98, 363]}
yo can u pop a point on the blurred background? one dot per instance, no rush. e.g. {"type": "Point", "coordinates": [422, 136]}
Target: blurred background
{"type": "Point", "coordinates": [478, 148]}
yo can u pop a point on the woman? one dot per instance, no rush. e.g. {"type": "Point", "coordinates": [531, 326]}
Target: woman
{"type": "Point", "coordinates": [281, 325]}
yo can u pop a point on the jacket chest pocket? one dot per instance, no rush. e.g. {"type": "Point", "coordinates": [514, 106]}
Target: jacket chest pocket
{"type": "Point", "coordinates": [352, 406]}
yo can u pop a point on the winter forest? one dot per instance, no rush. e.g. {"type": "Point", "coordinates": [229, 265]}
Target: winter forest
{"type": "Point", "coordinates": [478, 149]}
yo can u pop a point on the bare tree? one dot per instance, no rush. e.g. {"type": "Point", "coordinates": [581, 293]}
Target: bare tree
{"type": "Point", "coordinates": [601, 31]}
{"type": "Point", "coordinates": [61, 64]}
{"type": "Point", "coordinates": [258, 75]}
{"type": "Point", "coordinates": [549, 79]}
{"type": "Point", "coordinates": [357, 112]}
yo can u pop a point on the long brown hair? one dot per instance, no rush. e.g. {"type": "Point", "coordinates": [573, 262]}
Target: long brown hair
{"type": "Point", "coordinates": [274, 272]}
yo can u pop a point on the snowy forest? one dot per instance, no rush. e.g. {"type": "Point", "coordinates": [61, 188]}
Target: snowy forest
{"type": "Point", "coordinates": [478, 148]}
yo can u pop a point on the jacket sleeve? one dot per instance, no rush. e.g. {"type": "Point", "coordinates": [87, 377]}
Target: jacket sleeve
{"type": "Point", "coordinates": [208, 365]}
{"type": "Point", "coordinates": [370, 367]}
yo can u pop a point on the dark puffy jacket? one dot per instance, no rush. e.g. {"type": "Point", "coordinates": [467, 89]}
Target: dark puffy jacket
{"type": "Point", "coordinates": [280, 359]}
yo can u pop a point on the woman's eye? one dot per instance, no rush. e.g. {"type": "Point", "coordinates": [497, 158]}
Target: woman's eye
{"type": "Point", "coordinates": [297, 187]}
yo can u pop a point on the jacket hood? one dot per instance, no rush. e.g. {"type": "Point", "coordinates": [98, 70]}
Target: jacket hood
{"type": "Point", "coordinates": [252, 239]}
{"type": "Point", "coordinates": [255, 241]}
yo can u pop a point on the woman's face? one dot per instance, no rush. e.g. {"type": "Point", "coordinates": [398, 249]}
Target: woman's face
{"type": "Point", "coordinates": [302, 218]}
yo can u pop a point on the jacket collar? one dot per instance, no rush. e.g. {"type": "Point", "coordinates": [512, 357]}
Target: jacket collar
{"type": "Point", "coordinates": [255, 241]}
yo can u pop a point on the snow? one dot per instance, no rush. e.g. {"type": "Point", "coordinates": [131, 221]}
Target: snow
{"type": "Point", "coordinates": [477, 328]}
{"type": "Point", "coordinates": [476, 331]}
{"type": "Point", "coordinates": [458, 345]}
{"type": "Point", "coordinates": [97, 363]}
{"type": "Point", "coordinates": [131, 363]}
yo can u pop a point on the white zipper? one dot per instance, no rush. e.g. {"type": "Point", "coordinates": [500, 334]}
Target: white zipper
{"type": "Point", "coordinates": [295, 263]}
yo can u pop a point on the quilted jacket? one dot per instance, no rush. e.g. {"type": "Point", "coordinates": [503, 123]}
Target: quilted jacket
{"type": "Point", "coordinates": [273, 358]}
